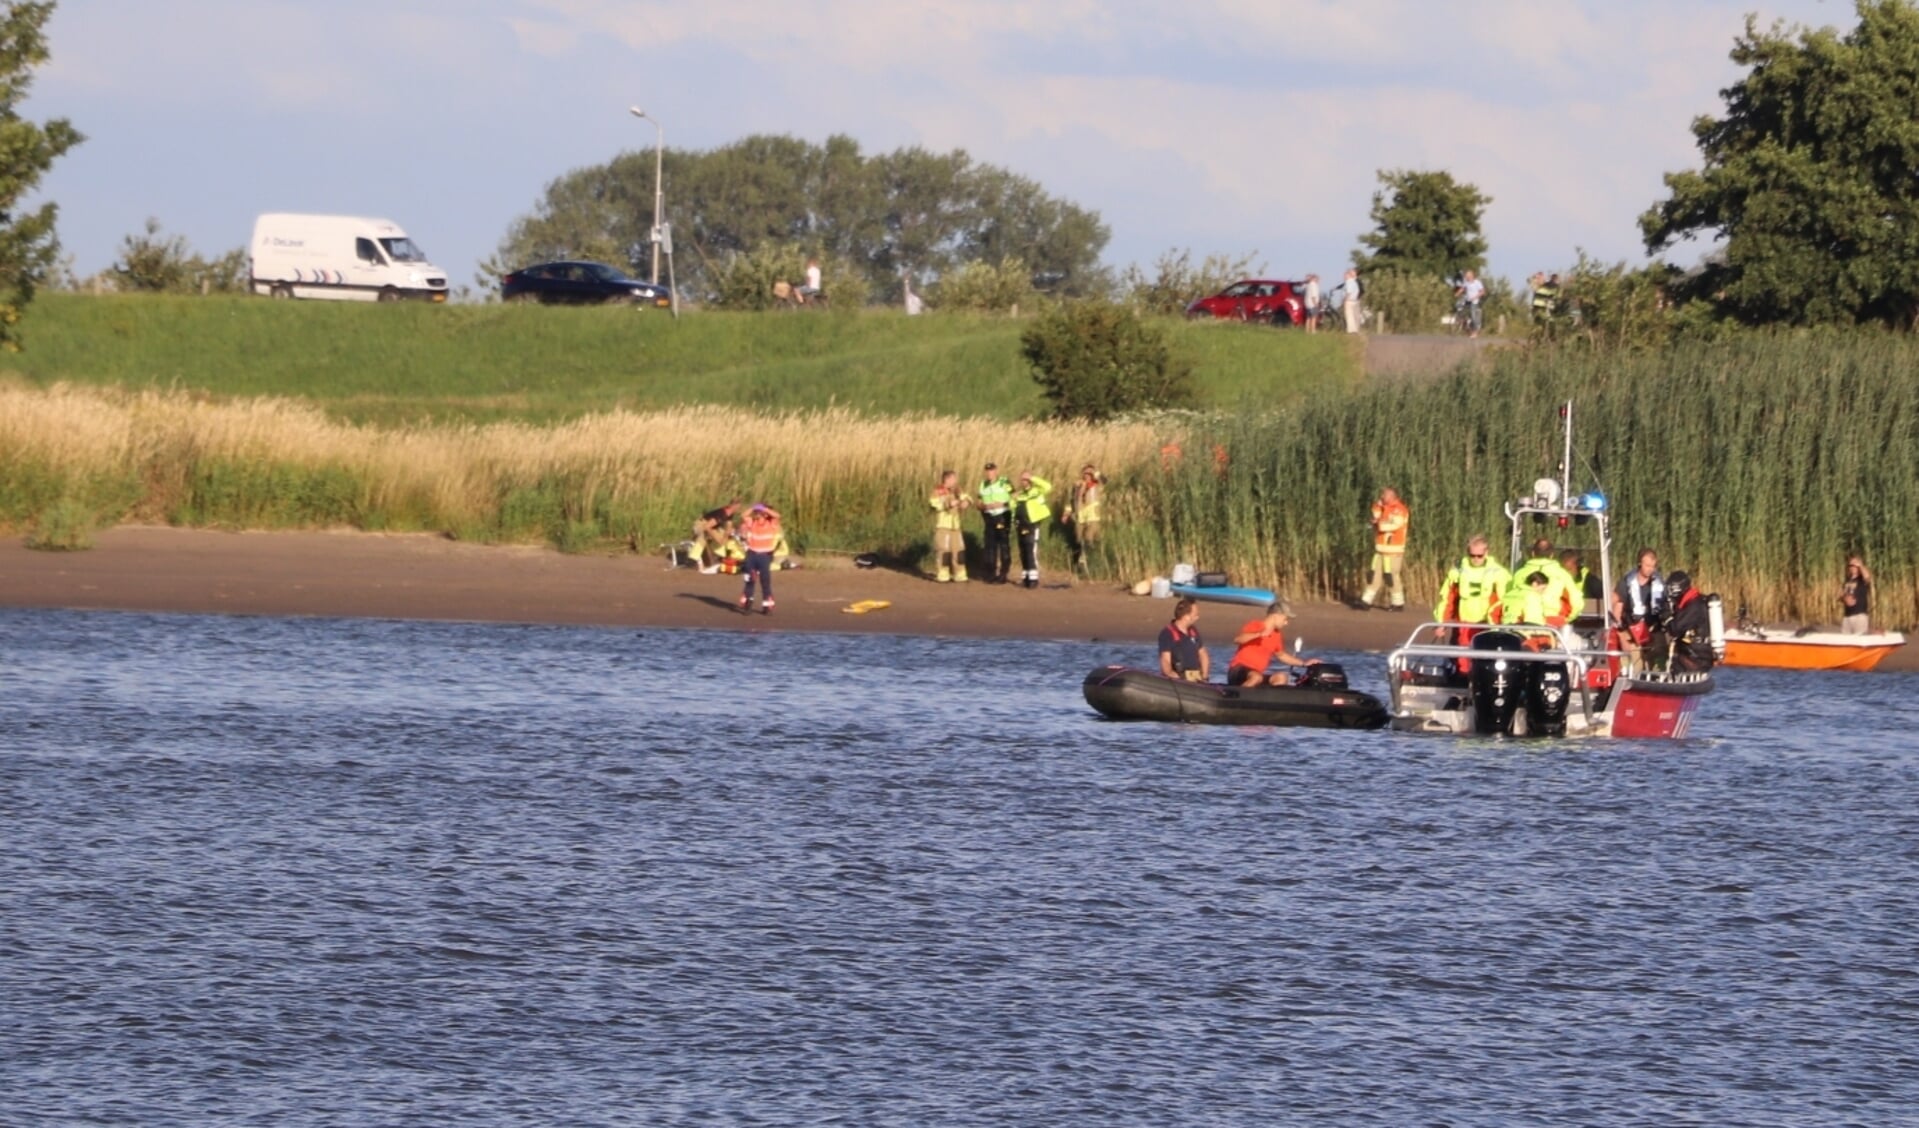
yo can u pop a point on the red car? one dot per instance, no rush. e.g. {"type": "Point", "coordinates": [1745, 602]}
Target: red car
{"type": "Point", "coordinates": [1256, 299]}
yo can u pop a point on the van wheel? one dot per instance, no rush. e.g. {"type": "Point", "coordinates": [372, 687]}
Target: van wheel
{"type": "Point", "coordinates": [280, 292]}
{"type": "Point", "coordinates": [389, 295]}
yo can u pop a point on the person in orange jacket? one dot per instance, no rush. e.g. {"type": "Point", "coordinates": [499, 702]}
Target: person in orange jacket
{"type": "Point", "coordinates": [1390, 519]}
{"type": "Point", "coordinates": [762, 533]}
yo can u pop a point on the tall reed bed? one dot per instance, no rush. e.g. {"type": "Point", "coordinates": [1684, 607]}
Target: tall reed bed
{"type": "Point", "coordinates": [845, 481]}
{"type": "Point", "coordinates": [1755, 464]}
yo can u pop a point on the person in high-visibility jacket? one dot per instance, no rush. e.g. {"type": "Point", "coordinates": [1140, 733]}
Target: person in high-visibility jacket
{"type": "Point", "coordinates": [1558, 600]}
{"type": "Point", "coordinates": [1390, 521]}
{"type": "Point", "coordinates": [949, 542]}
{"type": "Point", "coordinates": [1030, 512]}
{"type": "Point", "coordinates": [761, 532]}
{"type": "Point", "coordinates": [1525, 600]}
{"type": "Point", "coordinates": [1545, 303]}
{"type": "Point", "coordinates": [1083, 510]}
{"type": "Point", "coordinates": [994, 500]}
{"type": "Point", "coordinates": [1472, 590]}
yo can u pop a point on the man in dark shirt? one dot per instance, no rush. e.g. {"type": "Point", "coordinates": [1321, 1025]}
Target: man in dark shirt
{"type": "Point", "coordinates": [1181, 653]}
{"type": "Point", "coordinates": [712, 531]}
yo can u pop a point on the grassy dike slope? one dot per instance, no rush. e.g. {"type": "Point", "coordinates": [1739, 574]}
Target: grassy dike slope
{"type": "Point", "coordinates": [582, 427]}
{"type": "Point", "coordinates": [390, 364]}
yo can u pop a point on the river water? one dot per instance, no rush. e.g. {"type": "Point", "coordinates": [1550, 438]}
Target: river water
{"type": "Point", "coordinates": [276, 871]}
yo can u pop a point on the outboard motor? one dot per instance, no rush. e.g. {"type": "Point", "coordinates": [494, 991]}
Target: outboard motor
{"type": "Point", "coordinates": [1548, 696]}
{"type": "Point", "coordinates": [1326, 675]}
{"type": "Point", "coordinates": [1499, 686]}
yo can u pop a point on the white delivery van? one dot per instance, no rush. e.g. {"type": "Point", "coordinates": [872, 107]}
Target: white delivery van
{"type": "Point", "coordinates": [340, 256]}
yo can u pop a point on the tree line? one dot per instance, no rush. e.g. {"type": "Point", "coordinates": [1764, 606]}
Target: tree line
{"type": "Point", "coordinates": [1806, 199]}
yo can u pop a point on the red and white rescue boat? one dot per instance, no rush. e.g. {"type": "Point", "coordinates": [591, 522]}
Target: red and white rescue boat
{"type": "Point", "coordinates": [1524, 680]}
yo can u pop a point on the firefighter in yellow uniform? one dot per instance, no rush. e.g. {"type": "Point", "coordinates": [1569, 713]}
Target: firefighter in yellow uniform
{"type": "Point", "coordinates": [1390, 521]}
{"type": "Point", "coordinates": [949, 541]}
{"type": "Point", "coordinates": [1472, 590]}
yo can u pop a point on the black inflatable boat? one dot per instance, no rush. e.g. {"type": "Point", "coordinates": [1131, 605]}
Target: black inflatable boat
{"type": "Point", "coordinates": [1323, 701]}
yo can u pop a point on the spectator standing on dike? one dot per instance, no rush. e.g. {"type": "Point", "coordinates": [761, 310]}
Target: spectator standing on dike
{"type": "Point", "coordinates": [1349, 300]}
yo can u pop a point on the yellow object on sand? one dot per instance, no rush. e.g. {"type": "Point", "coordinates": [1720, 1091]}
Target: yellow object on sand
{"type": "Point", "coordinates": [865, 605]}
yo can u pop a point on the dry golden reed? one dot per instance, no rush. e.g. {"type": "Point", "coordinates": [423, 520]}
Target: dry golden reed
{"type": "Point", "coordinates": [810, 463]}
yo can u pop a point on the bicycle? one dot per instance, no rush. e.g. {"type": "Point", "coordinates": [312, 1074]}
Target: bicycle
{"type": "Point", "coordinates": [1466, 317]}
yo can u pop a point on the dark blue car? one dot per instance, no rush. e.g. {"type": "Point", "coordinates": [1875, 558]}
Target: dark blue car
{"type": "Point", "coordinates": [580, 283]}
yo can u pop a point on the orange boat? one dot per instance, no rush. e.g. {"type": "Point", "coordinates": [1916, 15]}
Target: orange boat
{"type": "Point", "coordinates": [1810, 650]}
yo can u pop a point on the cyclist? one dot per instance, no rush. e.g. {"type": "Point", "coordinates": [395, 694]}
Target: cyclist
{"type": "Point", "coordinates": [1471, 293]}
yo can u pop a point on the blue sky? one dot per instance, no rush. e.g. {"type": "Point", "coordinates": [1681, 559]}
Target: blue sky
{"type": "Point", "coordinates": [1230, 126]}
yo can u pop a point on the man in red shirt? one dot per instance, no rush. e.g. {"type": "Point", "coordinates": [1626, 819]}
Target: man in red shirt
{"type": "Point", "coordinates": [1259, 642]}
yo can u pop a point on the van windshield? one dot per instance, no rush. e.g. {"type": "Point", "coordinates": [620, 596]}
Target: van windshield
{"type": "Point", "coordinates": [402, 250]}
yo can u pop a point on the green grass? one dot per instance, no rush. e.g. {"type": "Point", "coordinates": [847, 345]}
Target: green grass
{"type": "Point", "coordinates": [406, 363]}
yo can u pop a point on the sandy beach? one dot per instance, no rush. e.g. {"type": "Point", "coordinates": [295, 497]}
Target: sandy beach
{"type": "Point", "coordinates": [424, 576]}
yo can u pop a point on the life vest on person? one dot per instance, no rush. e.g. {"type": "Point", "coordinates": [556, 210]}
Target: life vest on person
{"type": "Point", "coordinates": [994, 496]}
{"type": "Point", "coordinates": [1545, 299]}
{"type": "Point", "coordinates": [762, 534]}
{"type": "Point", "coordinates": [1522, 603]}
{"type": "Point", "coordinates": [1472, 591]}
{"type": "Point", "coordinates": [1086, 498]}
{"type": "Point", "coordinates": [946, 504]}
{"type": "Point", "coordinates": [1390, 521]}
{"type": "Point", "coordinates": [1645, 599]}
{"type": "Point", "coordinates": [1029, 504]}
{"type": "Point", "coordinates": [1559, 602]}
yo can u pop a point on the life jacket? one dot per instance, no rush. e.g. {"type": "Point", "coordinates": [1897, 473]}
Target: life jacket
{"type": "Point", "coordinates": [947, 504]}
{"type": "Point", "coordinates": [1559, 602]}
{"type": "Point", "coordinates": [1472, 592]}
{"type": "Point", "coordinates": [1645, 600]}
{"type": "Point", "coordinates": [1029, 504]}
{"type": "Point", "coordinates": [1389, 527]}
{"type": "Point", "coordinates": [1544, 298]}
{"type": "Point", "coordinates": [762, 534]}
{"type": "Point", "coordinates": [1522, 603]}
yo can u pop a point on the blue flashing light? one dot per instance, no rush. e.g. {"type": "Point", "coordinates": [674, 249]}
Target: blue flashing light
{"type": "Point", "coordinates": [1593, 501]}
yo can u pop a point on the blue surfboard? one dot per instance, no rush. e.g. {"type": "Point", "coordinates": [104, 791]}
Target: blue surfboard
{"type": "Point", "coordinates": [1260, 596]}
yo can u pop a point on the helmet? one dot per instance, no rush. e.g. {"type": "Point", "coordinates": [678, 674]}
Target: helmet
{"type": "Point", "coordinates": [1677, 585]}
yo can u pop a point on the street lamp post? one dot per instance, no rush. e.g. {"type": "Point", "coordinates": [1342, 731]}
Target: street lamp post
{"type": "Point", "coordinates": [659, 189]}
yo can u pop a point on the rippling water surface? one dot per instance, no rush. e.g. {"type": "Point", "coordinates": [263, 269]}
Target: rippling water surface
{"type": "Point", "coordinates": [273, 872]}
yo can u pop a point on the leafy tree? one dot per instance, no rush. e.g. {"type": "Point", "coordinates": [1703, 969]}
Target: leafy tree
{"type": "Point", "coordinates": [1096, 360]}
{"type": "Point", "coordinates": [1175, 281]}
{"type": "Point", "coordinates": [154, 262]}
{"type": "Point", "coordinates": [1425, 223]}
{"type": "Point", "coordinates": [906, 211]}
{"type": "Point", "coordinates": [745, 280]}
{"type": "Point", "coordinates": [1808, 177]}
{"type": "Point", "coordinates": [980, 287]}
{"type": "Point", "coordinates": [29, 249]}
